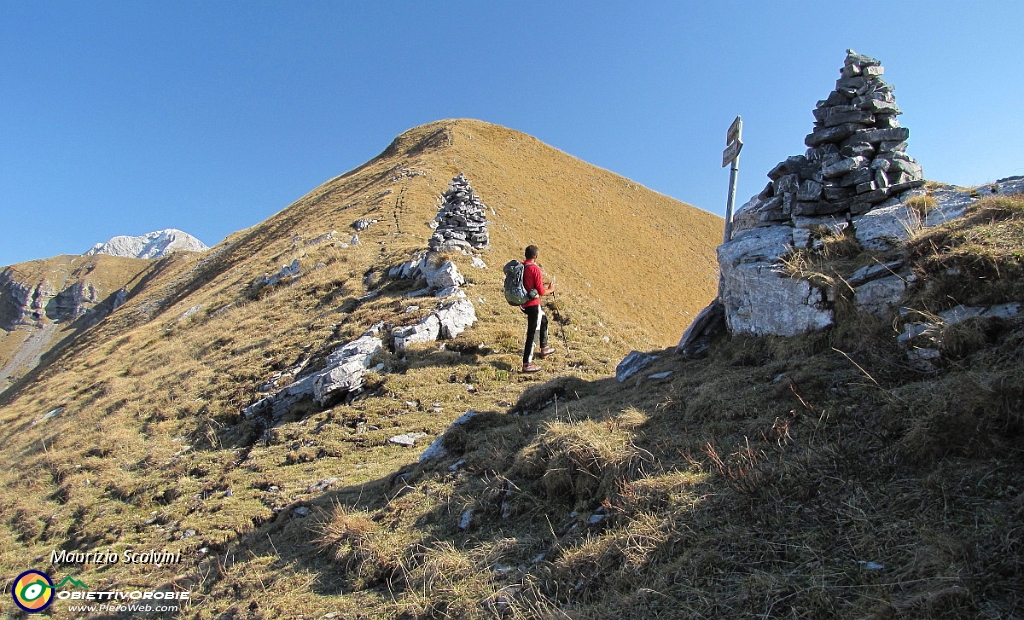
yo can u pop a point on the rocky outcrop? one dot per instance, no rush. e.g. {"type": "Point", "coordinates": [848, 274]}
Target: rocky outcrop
{"type": "Point", "coordinates": [342, 375]}
{"type": "Point", "coordinates": [151, 245]}
{"type": "Point", "coordinates": [447, 321]}
{"type": "Point", "coordinates": [443, 278]}
{"type": "Point", "coordinates": [286, 273]}
{"type": "Point", "coordinates": [56, 297]}
{"type": "Point", "coordinates": [461, 221]}
{"type": "Point", "coordinates": [43, 301]}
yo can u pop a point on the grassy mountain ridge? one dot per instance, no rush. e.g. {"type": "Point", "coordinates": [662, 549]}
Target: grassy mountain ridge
{"type": "Point", "coordinates": [131, 435]}
{"type": "Point", "coordinates": [816, 476]}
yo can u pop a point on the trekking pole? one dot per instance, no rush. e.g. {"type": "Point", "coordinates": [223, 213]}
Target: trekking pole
{"type": "Point", "coordinates": [561, 325]}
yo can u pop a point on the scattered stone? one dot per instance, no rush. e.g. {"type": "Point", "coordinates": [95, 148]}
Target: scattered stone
{"type": "Point", "coordinates": [49, 415]}
{"type": "Point", "coordinates": [710, 322]}
{"type": "Point", "coordinates": [436, 449]}
{"type": "Point", "coordinates": [661, 375]}
{"type": "Point", "coordinates": [955, 315]}
{"type": "Point", "coordinates": [287, 272]}
{"type": "Point", "coordinates": [346, 368]}
{"type": "Point", "coordinates": [362, 224]}
{"type": "Point", "coordinates": [190, 312]}
{"type": "Point", "coordinates": [880, 297]}
{"type": "Point", "coordinates": [447, 321]}
{"type": "Point", "coordinates": [632, 364]}
{"type": "Point", "coordinates": [455, 317]}
{"type": "Point", "coordinates": [427, 330]}
{"type": "Point", "coordinates": [322, 486]}
{"type": "Point", "coordinates": [466, 520]}
{"type": "Point", "coordinates": [324, 238]}
{"type": "Point", "coordinates": [407, 440]}
{"type": "Point", "coordinates": [503, 601]}
{"type": "Point", "coordinates": [301, 511]}
{"type": "Point", "coordinates": [343, 374]}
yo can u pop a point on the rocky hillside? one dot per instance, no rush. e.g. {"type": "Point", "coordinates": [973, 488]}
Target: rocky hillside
{"type": "Point", "coordinates": [43, 302]}
{"type": "Point", "coordinates": [214, 398]}
{"type": "Point", "coordinates": [150, 245]}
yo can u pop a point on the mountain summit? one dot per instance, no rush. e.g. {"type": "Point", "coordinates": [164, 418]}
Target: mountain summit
{"type": "Point", "coordinates": [150, 245]}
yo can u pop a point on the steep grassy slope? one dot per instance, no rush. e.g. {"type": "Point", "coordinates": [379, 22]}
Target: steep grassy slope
{"type": "Point", "coordinates": [132, 436]}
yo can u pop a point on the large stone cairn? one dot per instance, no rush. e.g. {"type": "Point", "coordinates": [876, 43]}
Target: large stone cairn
{"type": "Point", "coordinates": [855, 160]}
{"type": "Point", "coordinates": [461, 220]}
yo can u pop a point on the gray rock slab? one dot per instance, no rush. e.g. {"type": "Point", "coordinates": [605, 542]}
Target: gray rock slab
{"type": "Point", "coordinates": [407, 440]}
{"type": "Point", "coordinates": [632, 364]}
{"type": "Point", "coordinates": [455, 317]}
{"type": "Point", "coordinates": [760, 301]}
{"type": "Point", "coordinates": [881, 296]}
{"type": "Point", "coordinates": [884, 228]}
{"type": "Point", "coordinates": [757, 245]}
{"type": "Point", "coordinates": [436, 449]}
{"type": "Point", "coordinates": [427, 330]}
{"type": "Point", "coordinates": [873, 272]}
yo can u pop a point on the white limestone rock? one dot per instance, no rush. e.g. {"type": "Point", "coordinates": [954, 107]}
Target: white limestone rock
{"type": "Point", "coordinates": [346, 368]}
{"type": "Point", "coordinates": [885, 228]}
{"type": "Point", "coordinates": [436, 449]}
{"type": "Point", "coordinates": [455, 316]}
{"type": "Point", "coordinates": [427, 330]}
{"type": "Point", "coordinates": [758, 299]}
{"type": "Point", "coordinates": [445, 276]}
{"type": "Point", "coordinates": [150, 245]}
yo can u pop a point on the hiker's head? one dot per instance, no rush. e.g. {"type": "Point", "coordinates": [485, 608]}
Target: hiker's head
{"type": "Point", "coordinates": [531, 252]}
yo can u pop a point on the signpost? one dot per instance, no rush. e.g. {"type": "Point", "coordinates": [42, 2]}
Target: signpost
{"type": "Point", "coordinates": [731, 154]}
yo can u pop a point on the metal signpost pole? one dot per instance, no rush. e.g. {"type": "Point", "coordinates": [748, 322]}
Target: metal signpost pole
{"type": "Point", "coordinates": [732, 155]}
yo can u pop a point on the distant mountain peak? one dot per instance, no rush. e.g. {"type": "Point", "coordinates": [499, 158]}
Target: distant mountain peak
{"type": "Point", "coordinates": [151, 245]}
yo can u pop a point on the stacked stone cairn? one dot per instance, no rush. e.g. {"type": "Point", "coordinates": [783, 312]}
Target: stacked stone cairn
{"type": "Point", "coordinates": [854, 178]}
{"type": "Point", "coordinates": [461, 221]}
{"type": "Point", "coordinates": [856, 157]}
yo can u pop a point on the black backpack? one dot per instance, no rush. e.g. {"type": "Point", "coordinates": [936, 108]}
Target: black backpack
{"type": "Point", "coordinates": [515, 291]}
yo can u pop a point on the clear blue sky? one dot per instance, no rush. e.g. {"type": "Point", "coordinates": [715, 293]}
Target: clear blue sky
{"type": "Point", "coordinates": [128, 117]}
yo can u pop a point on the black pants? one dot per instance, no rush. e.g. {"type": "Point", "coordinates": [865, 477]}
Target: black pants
{"type": "Point", "coordinates": [533, 314]}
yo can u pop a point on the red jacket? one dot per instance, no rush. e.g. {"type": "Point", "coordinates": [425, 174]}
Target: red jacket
{"type": "Point", "coordinates": [533, 279]}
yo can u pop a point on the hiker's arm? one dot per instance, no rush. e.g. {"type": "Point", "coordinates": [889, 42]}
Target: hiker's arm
{"type": "Point", "coordinates": [542, 290]}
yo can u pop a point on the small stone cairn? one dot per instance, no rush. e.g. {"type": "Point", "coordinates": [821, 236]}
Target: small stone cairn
{"type": "Point", "coordinates": [461, 220]}
{"type": "Point", "coordinates": [855, 160]}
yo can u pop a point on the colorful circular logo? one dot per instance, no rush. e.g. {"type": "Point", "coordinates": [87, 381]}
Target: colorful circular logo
{"type": "Point", "coordinates": [33, 591]}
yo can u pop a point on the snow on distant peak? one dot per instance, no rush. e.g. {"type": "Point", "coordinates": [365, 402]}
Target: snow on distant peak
{"type": "Point", "coordinates": [151, 245]}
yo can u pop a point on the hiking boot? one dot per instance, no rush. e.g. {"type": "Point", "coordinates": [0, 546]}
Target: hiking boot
{"type": "Point", "coordinates": [531, 368]}
{"type": "Point", "coordinates": [546, 351]}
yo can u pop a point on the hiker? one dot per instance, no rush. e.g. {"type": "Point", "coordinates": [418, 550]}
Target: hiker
{"type": "Point", "coordinates": [536, 320]}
